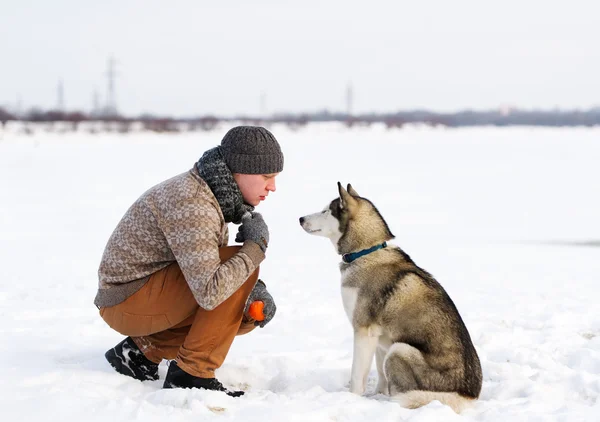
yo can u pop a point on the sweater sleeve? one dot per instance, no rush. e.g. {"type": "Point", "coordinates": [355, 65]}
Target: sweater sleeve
{"type": "Point", "coordinates": [192, 229]}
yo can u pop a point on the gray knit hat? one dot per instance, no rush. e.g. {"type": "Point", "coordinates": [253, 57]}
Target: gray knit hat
{"type": "Point", "coordinates": [251, 150]}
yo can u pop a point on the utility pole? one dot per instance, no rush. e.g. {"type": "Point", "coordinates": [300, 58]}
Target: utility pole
{"type": "Point", "coordinates": [111, 101]}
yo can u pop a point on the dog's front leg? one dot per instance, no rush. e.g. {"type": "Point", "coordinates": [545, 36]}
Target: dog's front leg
{"type": "Point", "coordinates": [365, 344]}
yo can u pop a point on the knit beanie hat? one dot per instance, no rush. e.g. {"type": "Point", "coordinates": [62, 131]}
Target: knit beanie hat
{"type": "Point", "coordinates": [251, 150]}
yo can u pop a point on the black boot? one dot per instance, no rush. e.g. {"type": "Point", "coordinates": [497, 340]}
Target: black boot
{"type": "Point", "coordinates": [129, 360]}
{"type": "Point", "coordinates": [178, 378]}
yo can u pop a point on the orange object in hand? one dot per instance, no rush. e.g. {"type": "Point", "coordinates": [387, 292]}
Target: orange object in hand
{"type": "Point", "coordinates": [255, 310]}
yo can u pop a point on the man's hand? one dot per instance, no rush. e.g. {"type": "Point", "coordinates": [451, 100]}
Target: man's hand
{"type": "Point", "coordinates": [253, 228]}
{"type": "Point", "coordinates": [260, 293]}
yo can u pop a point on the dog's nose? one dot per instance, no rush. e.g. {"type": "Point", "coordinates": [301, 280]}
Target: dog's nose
{"type": "Point", "coordinates": [301, 220]}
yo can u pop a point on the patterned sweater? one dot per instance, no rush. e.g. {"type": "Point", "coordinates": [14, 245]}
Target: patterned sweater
{"type": "Point", "coordinates": [176, 220]}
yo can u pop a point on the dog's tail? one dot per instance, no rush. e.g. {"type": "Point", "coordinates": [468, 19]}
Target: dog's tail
{"type": "Point", "coordinates": [417, 398]}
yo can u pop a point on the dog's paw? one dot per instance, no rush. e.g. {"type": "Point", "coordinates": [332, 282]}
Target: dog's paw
{"type": "Point", "coordinates": [382, 388]}
{"type": "Point", "coordinates": [357, 388]}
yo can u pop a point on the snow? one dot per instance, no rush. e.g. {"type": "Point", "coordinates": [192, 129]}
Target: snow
{"type": "Point", "coordinates": [504, 218]}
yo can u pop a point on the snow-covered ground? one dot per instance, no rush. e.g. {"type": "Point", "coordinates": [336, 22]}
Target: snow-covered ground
{"type": "Point", "coordinates": [501, 217]}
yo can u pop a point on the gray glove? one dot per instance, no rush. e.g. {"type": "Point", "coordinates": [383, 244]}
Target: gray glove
{"type": "Point", "coordinates": [259, 292]}
{"type": "Point", "coordinates": [253, 228]}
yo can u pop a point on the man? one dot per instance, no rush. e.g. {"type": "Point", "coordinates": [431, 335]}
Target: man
{"type": "Point", "coordinates": [166, 279]}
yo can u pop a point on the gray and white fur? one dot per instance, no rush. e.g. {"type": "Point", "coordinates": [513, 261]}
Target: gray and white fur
{"type": "Point", "coordinates": [400, 314]}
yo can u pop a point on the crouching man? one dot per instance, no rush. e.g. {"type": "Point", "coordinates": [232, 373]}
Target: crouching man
{"type": "Point", "coordinates": [167, 279]}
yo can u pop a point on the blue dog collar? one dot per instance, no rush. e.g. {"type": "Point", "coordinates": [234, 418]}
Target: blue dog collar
{"type": "Point", "coordinates": [349, 257]}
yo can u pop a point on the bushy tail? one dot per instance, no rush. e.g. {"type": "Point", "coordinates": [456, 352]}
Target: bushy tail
{"type": "Point", "coordinates": [417, 398]}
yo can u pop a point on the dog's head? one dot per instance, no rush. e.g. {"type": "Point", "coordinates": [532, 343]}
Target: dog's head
{"type": "Point", "coordinates": [350, 221]}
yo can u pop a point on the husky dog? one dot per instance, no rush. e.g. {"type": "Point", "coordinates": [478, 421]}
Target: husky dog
{"type": "Point", "coordinates": [399, 312]}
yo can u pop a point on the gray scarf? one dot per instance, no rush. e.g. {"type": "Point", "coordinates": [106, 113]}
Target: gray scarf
{"type": "Point", "coordinates": [218, 177]}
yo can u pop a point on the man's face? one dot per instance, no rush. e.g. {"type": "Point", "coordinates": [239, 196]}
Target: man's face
{"type": "Point", "coordinates": [255, 187]}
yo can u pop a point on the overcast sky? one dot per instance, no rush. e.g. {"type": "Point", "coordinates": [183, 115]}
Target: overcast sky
{"type": "Point", "coordinates": [189, 57]}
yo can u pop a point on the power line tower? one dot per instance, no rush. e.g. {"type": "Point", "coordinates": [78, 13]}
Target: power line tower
{"type": "Point", "coordinates": [111, 100]}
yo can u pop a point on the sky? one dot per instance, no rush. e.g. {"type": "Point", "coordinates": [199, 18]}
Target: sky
{"type": "Point", "coordinates": [190, 57]}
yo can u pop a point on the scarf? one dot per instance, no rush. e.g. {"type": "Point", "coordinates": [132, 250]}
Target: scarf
{"type": "Point", "coordinates": [218, 177]}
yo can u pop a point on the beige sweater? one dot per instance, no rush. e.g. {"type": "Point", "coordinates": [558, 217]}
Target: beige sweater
{"type": "Point", "coordinates": [176, 220]}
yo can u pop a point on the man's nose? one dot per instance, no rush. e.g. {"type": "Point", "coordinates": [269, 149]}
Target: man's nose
{"type": "Point", "coordinates": [271, 186]}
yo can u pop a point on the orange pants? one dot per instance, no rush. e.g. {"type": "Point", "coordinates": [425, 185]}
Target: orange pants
{"type": "Point", "coordinates": [165, 321]}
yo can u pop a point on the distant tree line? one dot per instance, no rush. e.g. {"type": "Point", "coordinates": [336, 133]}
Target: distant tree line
{"type": "Point", "coordinates": [509, 117]}
{"type": "Point", "coordinates": [512, 117]}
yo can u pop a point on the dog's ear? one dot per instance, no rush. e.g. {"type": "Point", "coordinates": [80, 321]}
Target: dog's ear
{"type": "Point", "coordinates": [346, 200]}
{"type": "Point", "coordinates": [351, 190]}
